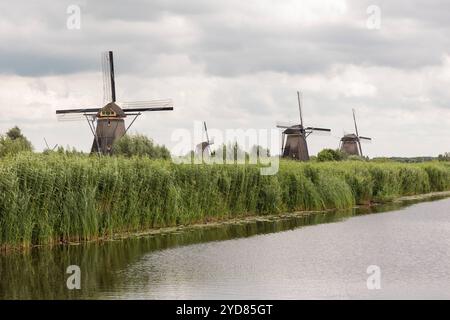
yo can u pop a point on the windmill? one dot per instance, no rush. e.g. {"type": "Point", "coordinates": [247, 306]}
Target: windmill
{"type": "Point", "coordinates": [293, 143]}
{"type": "Point", "coordinates": [351, 143]}
{"type": "Point", "coordinates": [107, 124]}
{"type": "Point", "coordinates": [205, 145]}
{"type": "Point", "coordinates": [48, 147]}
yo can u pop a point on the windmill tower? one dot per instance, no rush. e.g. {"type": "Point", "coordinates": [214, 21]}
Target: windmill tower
{"type": "Point", "coordinates": [351, 143]}
{"type": "Point", "coordinates": [203, 149]}
{"type": "Point", "coordinates": [294, 145]}
{"type": "Point", "coordinates": [107, 124]}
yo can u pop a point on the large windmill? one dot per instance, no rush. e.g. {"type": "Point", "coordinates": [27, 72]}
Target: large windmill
{"type": "Point", "coordinates": [107, 124]}
{"type": "Point", "coordinates": [351, 143]}
{"type": "Point", "coordinates": [203, 149]}
{"type": "Point", "coordinates": [294, 144]}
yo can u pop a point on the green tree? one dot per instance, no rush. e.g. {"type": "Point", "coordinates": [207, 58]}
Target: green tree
{"type": "Point", "coordinates": [330, 155]}
{"type": "Point", "coordinates": [14, 142]}
{"type": "Point", "coordinates": [444, 157]}
{"type": "Point", "coordinates": [15, 133]}
{"type": "Point", "coordinates": [139, 145]}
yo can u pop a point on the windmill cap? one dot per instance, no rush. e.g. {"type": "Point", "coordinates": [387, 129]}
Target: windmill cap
{"type": "Point", "coordinates": [293, 129]}
{"type": "Point", "coordinates": [349, 137]}
{"type": "Point", "coordinates": [112, 106]}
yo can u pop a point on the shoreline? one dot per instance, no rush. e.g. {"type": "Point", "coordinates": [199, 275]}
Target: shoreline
{"type": "Point", "coordinates": [236, 220]}
{"type": "Point", "coordinates": [247, 219]}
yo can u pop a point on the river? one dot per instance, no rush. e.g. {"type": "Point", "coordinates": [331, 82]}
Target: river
{"type": "Point", "coordinates": [321, 256]}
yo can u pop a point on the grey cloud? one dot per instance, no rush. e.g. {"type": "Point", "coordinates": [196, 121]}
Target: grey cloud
{"type": "Point", "coordinates": [219, 45]}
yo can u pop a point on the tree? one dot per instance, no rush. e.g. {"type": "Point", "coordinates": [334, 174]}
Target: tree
{"type": "Point", "coordinates": [444, 157]}
{"type": "Point", "coordinates": [14, 142]}
{"type": "Point", "coordinates": [15, 133]}
{"type": "Point", "coordinates": [330, 155]}
{"type": "Point", "coordinates": [139, 145]}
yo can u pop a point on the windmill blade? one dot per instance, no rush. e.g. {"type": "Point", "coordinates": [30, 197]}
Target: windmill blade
{"type": "Point", "coordinates": [48, 147]}
{"type": "Point", "coordinates": [45, 140]}
{"type": "Point", "coordinates": [365, 139]}
{"type": "Point", "coordinates": [76, 114]}
{"type": "Point", "coordinates": [354, 121]}
{"type": "Point", "coordinates": [82, 111]}
{"type": "Point", "coordinates": [300, 107]}
{"type": "Point", "coordinates": [318, 129]}
{"type": "Point", "coordinates": [142, 109]}
{"type": "Point", "coordinates": [109, 87]}
{"type": "Point", "coordinates": [151, 105]}
{"type": "Point", "coordinates": [206, 132]}
{"type": "Point", "coordinates": [357, 134]}
{"type": "Point", "coordinates": [74, 117]}
{"type": "Point", "coordinates": [146, 104]}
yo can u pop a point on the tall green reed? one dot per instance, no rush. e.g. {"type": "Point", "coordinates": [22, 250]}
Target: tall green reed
{"type": "Point", "coordinates": [54, 198]}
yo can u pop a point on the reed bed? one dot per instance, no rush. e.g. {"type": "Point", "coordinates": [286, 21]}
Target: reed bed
{"type": "Point", "coordinates": [48, 199]}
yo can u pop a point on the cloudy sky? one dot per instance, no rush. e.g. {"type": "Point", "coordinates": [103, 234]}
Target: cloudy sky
{"type": "Point", "coordinates": [235, 64]}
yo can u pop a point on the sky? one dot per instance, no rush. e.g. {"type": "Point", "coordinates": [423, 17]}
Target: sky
{"type": "Point", "coordinates": [235, 64]}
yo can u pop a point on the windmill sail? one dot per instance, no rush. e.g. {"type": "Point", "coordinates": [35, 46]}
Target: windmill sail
{"type": "Point", "coordinates": [151, 105]}
{"type": "Point", "coordinates": [109, 85]}
{"type": "Point", "coordinates": [206, 132]}
{"type": "Point", "coordinates": [318, 129]}
{"type": "Point", "coordinates": [357, 134]}
{"type": "Point", "coordinates": [85, 110]}
{"type": "Point", "coordinates": [76, 114]}
{"type": "Point", "coordinates": [300, 108]}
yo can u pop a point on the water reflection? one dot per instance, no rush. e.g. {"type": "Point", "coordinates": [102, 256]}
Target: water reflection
{"type": "Point", "coordinates": [108, 268]}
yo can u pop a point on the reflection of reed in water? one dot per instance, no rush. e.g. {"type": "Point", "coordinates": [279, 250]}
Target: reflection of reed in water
{"type": "Point", "coordinates": [40, 273]}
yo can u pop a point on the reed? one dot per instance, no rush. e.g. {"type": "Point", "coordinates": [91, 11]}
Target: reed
{"type": "Point", "coordinates": [47, 199]}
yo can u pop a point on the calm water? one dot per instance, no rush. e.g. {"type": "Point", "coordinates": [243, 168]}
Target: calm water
{"type": "Point", "coordinates": [320, 256]}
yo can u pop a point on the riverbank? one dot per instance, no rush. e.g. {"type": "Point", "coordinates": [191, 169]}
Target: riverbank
{"type": "Point", "coordinates": [52, 199]}
{"type": "Point", "coordinates": [405, 200]}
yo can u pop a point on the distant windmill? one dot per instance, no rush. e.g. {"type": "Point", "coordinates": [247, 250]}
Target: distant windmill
{"type": "Point", "coordinates": [351, 143]}
{"type": "Point", "coordinates": [294, 144]}
{"type": "Point", "coordinates": [107, 124]}
{"type": "Point", "coordinates": [48, 147]}
{"type": "Point", "coordinates": [203, 148]}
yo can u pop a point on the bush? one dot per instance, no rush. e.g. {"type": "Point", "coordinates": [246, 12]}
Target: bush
{"type": "Point", "coordinates": [330, 155]}
{"type": "Point", "coordinates": [139, 145]}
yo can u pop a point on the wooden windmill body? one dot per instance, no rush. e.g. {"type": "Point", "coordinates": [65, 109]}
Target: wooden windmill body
{"type": "Point", "coordinates": [107, 124]}
{"type": "Point", "coordinates": [110, 128]}
{"type": "Point", "coordinates": [294, 144]}
{"type": "Point", "coordinates": [351, 143]}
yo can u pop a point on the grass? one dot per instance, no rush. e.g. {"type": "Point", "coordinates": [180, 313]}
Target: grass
{"type": "Point", "coordinates": [48, 199]}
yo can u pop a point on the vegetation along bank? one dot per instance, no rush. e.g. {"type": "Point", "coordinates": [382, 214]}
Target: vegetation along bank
{"type": "Point", "coordinates": [57, 198]}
